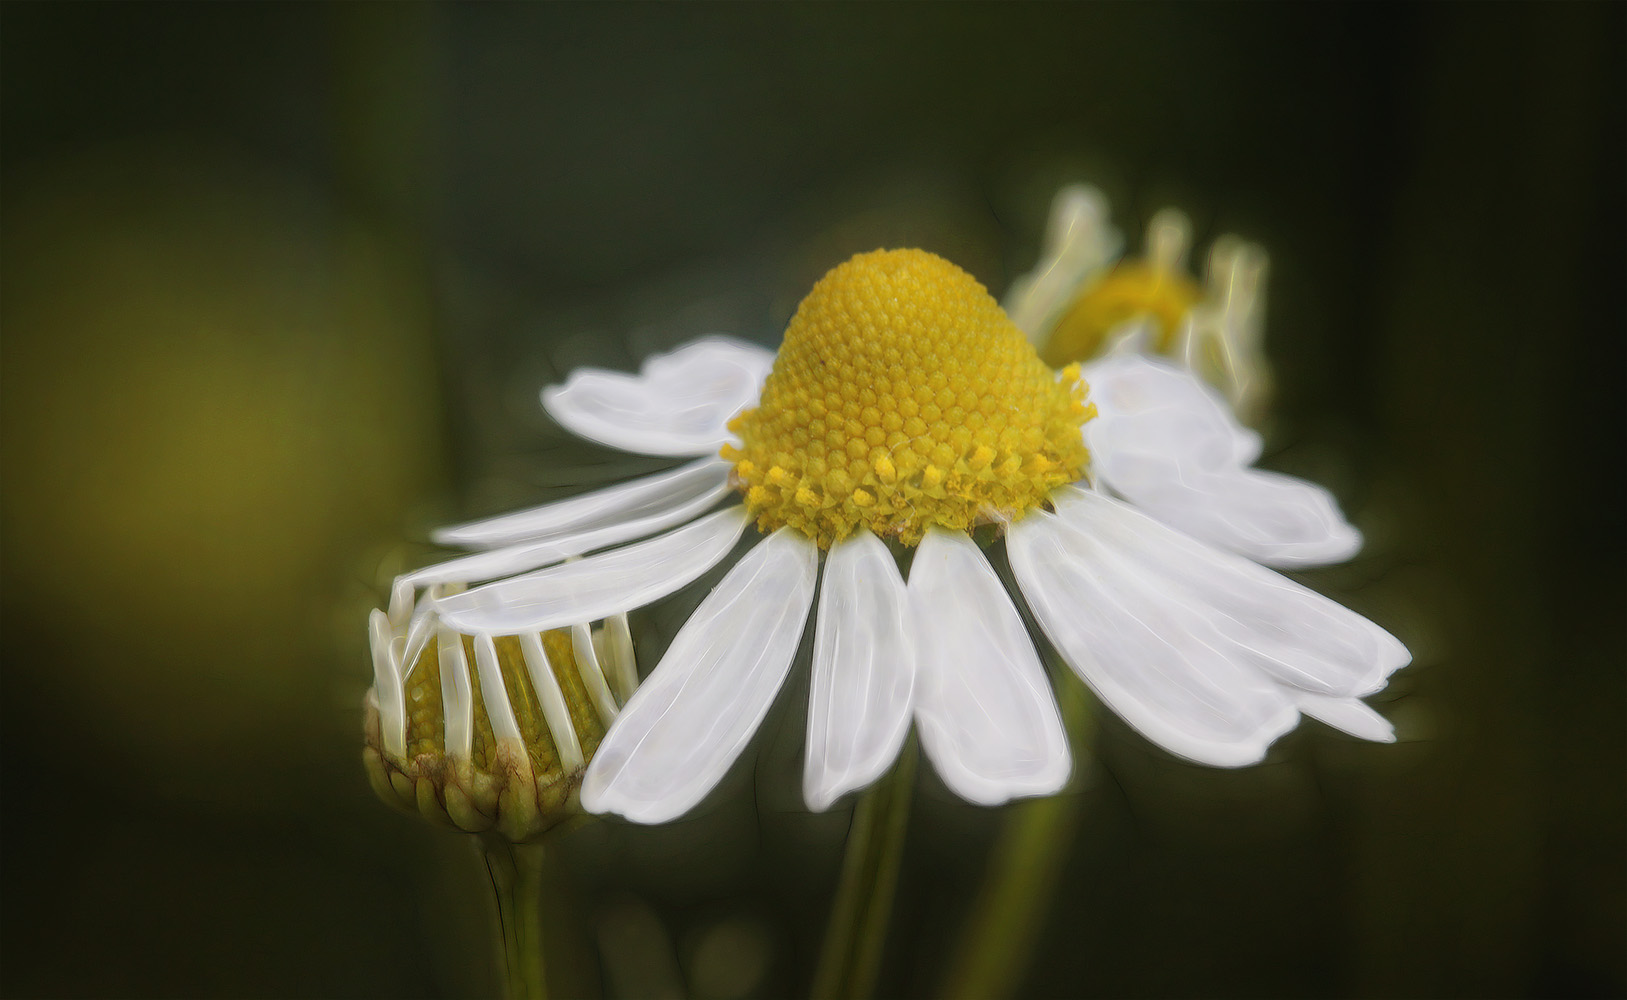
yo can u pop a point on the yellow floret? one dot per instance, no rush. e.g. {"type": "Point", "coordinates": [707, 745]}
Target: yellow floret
{"type": "Point", "coordinates": [1134, 288]}
{"type": "Point", "coordinates": [904, 397]}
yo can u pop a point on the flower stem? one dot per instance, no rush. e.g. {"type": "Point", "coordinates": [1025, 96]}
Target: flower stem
{"type": "Point", "coordinates": [516, 879]}
{"type": "Point", "coordinates": [864, 898]}
{"type": "Point", "coordinates": [999, 937]}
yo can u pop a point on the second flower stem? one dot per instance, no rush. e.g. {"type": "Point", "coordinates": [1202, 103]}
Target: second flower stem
{"type": "Point", "coordinates": [851, 960]}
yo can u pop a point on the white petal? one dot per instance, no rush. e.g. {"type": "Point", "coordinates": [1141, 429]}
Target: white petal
{"type": "Point", "coordinates": [1292, 634]}
{"type": "Point", "coordinates": [1169, 444]}
{"type": "Point", "coordinates": [494, 693]}
{"type": "Point", "coordinates": [689, 721]}
{"type": "Point", "coordinates": [513, 559]}
{"type": "Point", "coordinates": [643, 500]}
{"type": "Point", "coordinates": [457, 696]}
{"type": "Point", "coordinates": [600, 585]}
{"type": "Point", "coordinates": [678, 404]}
{"type": "Point", "coordinates": [1347, 715]}
{"type": "Point", "coordinates": [988, 720]}
{"type": "Point", "coordinates": [619, 657]}
{"type": "Point", "coordinates": [551, 699]}
{"type": "Point", "coordinates": [1151, 656]}
{"type": "Point", "coordinates": [392, 703]}
{"type": "Point", "coordinates": [587, 665]}
{"type": "Point", "coordinates": [863, 671]}
{"type": "Point", "coordinates": [1079, 245]}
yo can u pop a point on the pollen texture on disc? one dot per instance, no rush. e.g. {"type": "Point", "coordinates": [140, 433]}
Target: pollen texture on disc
{"type": "Point", "coordinates": [903, 397]}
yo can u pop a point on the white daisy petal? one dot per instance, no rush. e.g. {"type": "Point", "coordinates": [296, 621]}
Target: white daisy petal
{"type": "Point", "coordinates": [1347, 715]}
{"type": "Point", "coordinates": [1156, 660]}
{"type": "Point", "coordinates": [506, 561]}
{"type": "Point", "coordinates": [650, 500]}
{"type": "Point", "coordinates": [551, 699]}
{"type": "Point", "coordinates": [392, 705]}
{"type": "Point", "coordinates": [1079, 244]}
{"type": "Point", "coordinates": [1170, 445]}
{"type": "Point", "coordinates": [494, 693]}
{"type": "Point", "coordinates": [988, 720]}
{"type": "Point", "coordinates": [599, 585]}
{"type": "Point", "coordinates": [679, 403]}
{"type": "Point", "coordinates": [689, 721]}
{"type": "Point", "coordinates": [457, 695]}
{"type": "Point", "coordinates": [1294, 635]}
{"type": "Point", "coordinates": [863, 671]}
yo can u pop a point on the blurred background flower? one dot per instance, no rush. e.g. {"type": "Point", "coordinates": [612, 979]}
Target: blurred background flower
{"type": "Point", "coordinates": [281, 282]}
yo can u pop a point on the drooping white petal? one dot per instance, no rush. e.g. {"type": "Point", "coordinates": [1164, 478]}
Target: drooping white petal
{"type": "Point", "coordinates": [551, 699]}
{"type": "Point", "coordinates": [1169, 444]}
{"type": "Point", "coordinates": [1079, 244]}
{"type": "Point", "coordinates": [587, 664]}
{"type": "Point", "coordinates": [494, 693]}
{"type": "Point", "coordinates": [392, 704]}
{"type": "Point", "coordinates": [619, 657]}
{"type": "Point", "coordinates": [599, 585]}
{"type": "Point", "coordinates": [1293, 634]}
{"type": "Point", "coordinates": [679, 403]}
{"type": "Point", "coordinates": [650, 500]}
{"type": "Point", "coordinates": [1152, 656]}
{"type": "Point", "coordinates": [512, 559]}
{"type": "Point", "coordinates": [1347, 715]}
{"type": "Point", "coordinates": [690, 719]}
{"type": "Point", "coordinates": [457, 696]}
{"type": "Point", "coordinates": [863, 671]}
{"type": "Point", "coordinates": [988, 720]}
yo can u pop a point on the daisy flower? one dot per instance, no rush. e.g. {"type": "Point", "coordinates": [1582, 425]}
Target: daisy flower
{"type": "Point", "coordinates": [903, 410]}
{"type": "Point", "coordinates": [1084, 300]}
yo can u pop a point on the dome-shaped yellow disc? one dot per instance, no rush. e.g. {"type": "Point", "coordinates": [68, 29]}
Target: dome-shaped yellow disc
{"type": "Point", "coordinates": [902, 397]}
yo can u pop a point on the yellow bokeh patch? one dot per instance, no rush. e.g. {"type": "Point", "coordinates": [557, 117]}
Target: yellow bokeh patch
{"type": "Point", "coordinates": [903, 397]}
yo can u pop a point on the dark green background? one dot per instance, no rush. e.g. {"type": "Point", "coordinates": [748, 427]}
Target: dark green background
{"type": "Point", "coordinates": [280, 283]}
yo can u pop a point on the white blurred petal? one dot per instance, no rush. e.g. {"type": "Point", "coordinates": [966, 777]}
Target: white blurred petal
{"type": "Point", "coordinates": [1079, 245]}
{"type": "Point", "coordinates": [600, 585]}
{"type": "Point", "coordinates": [387, 673]}
{"type": "Point", "coordinates": [863, 671]}
{"type": "Point", "coordinates": [1347, 715]}
{"type": "Point", "coordinates": [1167, 443]}
{"type": "Point", "coordinates": [650, 500]}
{"type": "Point", "coordinates": [679, 403]}
{"type": "Point", "coordinates": [1155, 659]}
{"type": "Point", "coordinates": [689, 721]}
{"type": "Point", "coordinates": [988, 720]}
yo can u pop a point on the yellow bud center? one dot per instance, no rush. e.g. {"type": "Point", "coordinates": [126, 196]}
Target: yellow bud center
{"type": "Point", "coordinates": [903, 397]}
{"type": "Point", "coordinates": [1134, 289]}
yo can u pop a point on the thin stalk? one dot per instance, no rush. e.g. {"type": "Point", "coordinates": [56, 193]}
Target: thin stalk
{"type": "Point", "coordinates": [516, 879]}
{"type": "Point", "coordinates": [864, 898]}
{"type": "Point", "coordinates": [998, 939]}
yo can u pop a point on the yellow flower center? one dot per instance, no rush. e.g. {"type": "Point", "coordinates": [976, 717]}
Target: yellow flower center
{"type": "Point", "coordinates": [903, 397]}
{"type": "Point", "coordinates": [1133, 289]}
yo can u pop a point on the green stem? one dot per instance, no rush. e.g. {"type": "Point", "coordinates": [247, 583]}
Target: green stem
{"type": "Point", "coordinates": [864, 899]}
{"type": "Point", "coordinates": [516, 879]}
{"type": "Point", "coordinates": [998, 940]}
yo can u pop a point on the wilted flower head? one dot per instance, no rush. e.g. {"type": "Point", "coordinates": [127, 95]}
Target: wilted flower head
{"type": "Point", "coordinates": [904, 409]}
{"type": "Point", "coordinates": [482, 732]}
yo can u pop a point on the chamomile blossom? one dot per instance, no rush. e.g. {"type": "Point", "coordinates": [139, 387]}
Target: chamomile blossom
{"type": "Point", "coordinates": [1085, 299]}
{"type": "Point", "coordinates": [902, 410]}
